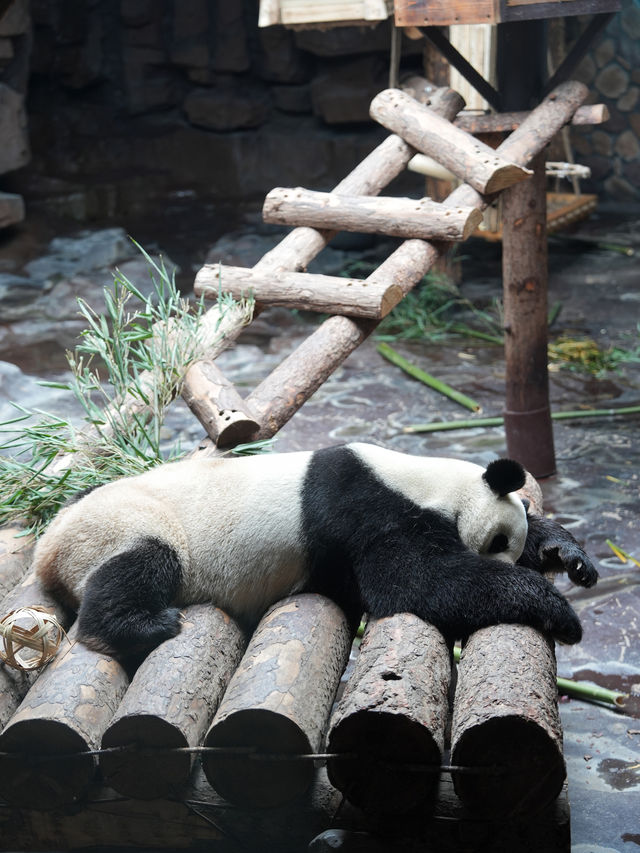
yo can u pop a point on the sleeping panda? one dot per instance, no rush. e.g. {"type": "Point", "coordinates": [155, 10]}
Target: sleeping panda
{"type": "Point", "coordinates": [375, 530]}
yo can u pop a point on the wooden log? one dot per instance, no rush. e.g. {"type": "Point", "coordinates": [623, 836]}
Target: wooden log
{"type": "Point", "coordinates": [506, 722]}
{"type": "Point", "coordinates": [524, 276]}
{"type": "Point", "coordinates": [15, 554]}
{"type": "Point", "coordinates": [63, 715]}
{"type": "Point", "coordinates": [278, 703]}
{"type": "Point", "coordinates": [392, 718]}
{"type": "Point", "coordinates": [221, 410]}
{"type": "Point", "coordinates": [396, 217]}
{"type": "Point", "coordinates": [14, 684]}
{"type": "Point", "coordinates": [323, 293]}
{"type": "Point", "coordinates": [468, 158]}
{"type": "Point", "coordinates": [507, 122]}
{"type": "Point", "coordinates": [170, 705]}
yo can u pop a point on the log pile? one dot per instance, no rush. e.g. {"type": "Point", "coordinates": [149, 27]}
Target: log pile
{"type": "Point", "coordinates": [217, 741]}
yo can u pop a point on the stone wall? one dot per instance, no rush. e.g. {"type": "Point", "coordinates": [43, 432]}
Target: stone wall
{"type": "Point", "coordinates": [132, 99]}
{"type": "Point", "coordinates": [612, 72]}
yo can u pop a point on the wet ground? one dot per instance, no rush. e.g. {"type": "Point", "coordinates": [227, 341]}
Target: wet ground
{"type": "Point", "coordinates": [595, 492]}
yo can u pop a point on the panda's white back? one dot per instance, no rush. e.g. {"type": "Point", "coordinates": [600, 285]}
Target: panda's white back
{"type": "Point", "coordinates": [235, 525]}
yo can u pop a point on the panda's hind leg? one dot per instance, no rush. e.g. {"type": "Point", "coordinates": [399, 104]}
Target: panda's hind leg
{"type": "Point", "coordinates": [125, 608]}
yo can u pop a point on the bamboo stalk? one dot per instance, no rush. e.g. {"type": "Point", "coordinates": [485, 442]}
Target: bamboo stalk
{"type": "Point", "coordinates": [436, 384]}
{"type": "Point", "coordinates": [443, 426]}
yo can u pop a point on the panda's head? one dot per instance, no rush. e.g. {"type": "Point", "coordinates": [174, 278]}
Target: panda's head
{"type": "Point", "coordinates": [492, 520]}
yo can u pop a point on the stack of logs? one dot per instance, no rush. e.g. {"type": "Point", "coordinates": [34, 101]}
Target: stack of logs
{"type": "Point", "coordinates": [88, 757]}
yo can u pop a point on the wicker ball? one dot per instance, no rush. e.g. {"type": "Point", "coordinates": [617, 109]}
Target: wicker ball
{"type": "Point", "coordinates": [29, 647]}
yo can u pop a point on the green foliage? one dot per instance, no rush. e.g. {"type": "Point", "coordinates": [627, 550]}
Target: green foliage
{"type": "Point", "coordinates": [127, 368]}
{"type": "Point", "coordinates": [432, 310]}
{"type": "Point", "coordinates": [584, 355]}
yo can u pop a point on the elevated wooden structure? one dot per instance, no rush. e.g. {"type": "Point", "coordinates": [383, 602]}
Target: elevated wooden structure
{"type": "Point", "coordinates": [217, 741]}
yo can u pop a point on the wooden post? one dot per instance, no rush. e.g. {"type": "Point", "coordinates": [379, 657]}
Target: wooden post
{"type": "Point", "coordinates": [278, 702]}
{"type": "Point", "coordinates": [468, 158]}
{"type": "Point", "coordinates": [506, 725]}
{"type": "Point", "coordinates": [61, 717]}
{"type": "Point", "coordinates": [392, 718]}
{"type": "Point", "coordinates": [527, 412]}
{"type": "Point", "coordinates": [170, 704]}
{"type": "Point", "coordinates": [396, 217]}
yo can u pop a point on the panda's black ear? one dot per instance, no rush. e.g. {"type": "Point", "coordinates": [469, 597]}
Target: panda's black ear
{"type": "Point", "coordinates": [504, 476]}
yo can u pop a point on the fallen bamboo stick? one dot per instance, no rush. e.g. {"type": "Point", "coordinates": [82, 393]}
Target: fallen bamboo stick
{"type": "Point", "coordinates": [324, 293]}
{"type": "Point", "coordinates": [422, 376]}
{"type": "Point", "coordinates": [472, 161]}
{"type": "Point", "coordinates": [395, 217]}
{"type": "Point", "coordinates": [498, 420]}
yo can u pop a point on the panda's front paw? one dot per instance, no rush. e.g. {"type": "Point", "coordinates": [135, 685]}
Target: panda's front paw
{"type": "Point", "coordinates": [561, 619]}
{"type": "Point", "coordinates": [570, 558]}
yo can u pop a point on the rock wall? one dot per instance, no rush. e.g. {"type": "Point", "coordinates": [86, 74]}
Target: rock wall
{"type": "Point", "coordinates": [612, 72]}
{"type": "Point", "coordinates": [130, 100]}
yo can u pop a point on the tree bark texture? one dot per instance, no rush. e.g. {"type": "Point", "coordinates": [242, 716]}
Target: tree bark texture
{"type": "Point", "coordinates": [218, 406]}
{"type": "Point", "coordinates": [392, 718]}
{"type": "Point", "coordinates": [14, 684]}
{"type": "Point", "coordinates": [506, 723]}
{"type": "Point", "coordinates": [278, 702]}
{"type": "Point", "coordinates": [324, 293]}
{"type": "Point", "coordinates": [525, 276]}
{"type": "Point", "coordinates": [396, 217]}
{"type": "Point", "coordinates": [507, 122]}
{"type": "Point", "coordinates": [468, 158]}
{"type": "Point", "coordinates": [170, 704]}
{"type": "Point", "coordinates": [15, 555]}
{"type": "Point", "coordinates": [63, 715]}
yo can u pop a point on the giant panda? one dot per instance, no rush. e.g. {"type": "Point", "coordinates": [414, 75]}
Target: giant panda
{"type": "Point", "coordinates": [376, 530]}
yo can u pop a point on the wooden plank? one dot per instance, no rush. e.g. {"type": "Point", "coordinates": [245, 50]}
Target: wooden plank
{"type": "Point", "coordinates": [506, 122]}
{"type": "Point", "coordinates": [329, 11]}
{"type": "Point", "coordinates": [419, 13]}
{"type": "Point", "coordinates": [439, 13]}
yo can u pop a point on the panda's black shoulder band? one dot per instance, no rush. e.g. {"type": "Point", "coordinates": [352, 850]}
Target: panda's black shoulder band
{"type": "Point", "coordinates": [504, 476]}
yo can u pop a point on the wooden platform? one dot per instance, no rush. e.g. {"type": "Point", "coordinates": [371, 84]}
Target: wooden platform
{"type": "Point", "coordinates": [443, 13]}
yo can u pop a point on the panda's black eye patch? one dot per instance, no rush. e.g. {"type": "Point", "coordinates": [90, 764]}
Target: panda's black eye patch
{"type": "Point", "coordinates": [498, 543]}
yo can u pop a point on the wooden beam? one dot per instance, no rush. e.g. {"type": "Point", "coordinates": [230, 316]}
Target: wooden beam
{"type": "Point", "coordinates": [395, 217]}
{"type": "Point", "coordinates": [324, 293]}
{"type": "Point", "coordinates": [471, 160]}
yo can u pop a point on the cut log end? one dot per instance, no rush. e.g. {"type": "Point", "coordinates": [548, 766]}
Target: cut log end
{"type": "Point", "coordinates": [506, 176]}
{"type": "Point", "coordinates": [157, 775]}
{"type": "Point", "coordinates": [395, 763]}
{"type": "Point", "coordinates": [524, 768]}
{"type": "Point", "coordinates": [253, 780]}
{"type": "Point", "coordinates": [43, 767]}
